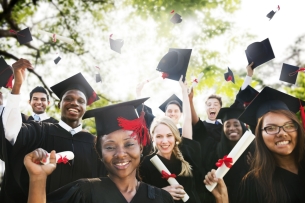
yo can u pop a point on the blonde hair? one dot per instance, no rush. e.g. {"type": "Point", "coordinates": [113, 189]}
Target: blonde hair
{"type": "Point", "coordinates": [186, 168]}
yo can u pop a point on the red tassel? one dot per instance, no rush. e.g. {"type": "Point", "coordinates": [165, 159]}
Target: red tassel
{"type": "Point", "coordinates": [92, 98]}
{"type": "Point", "coordinates": [229, 78]}
{"type": "Point", "coordinates": [9, 83]}
{"type": "Point", "coordinates": [302, 114]}
{"type": "Point", "coordinates": [164, 75]}
{"type": "Point", "coordinates": [295, 72]}
{"type": "Point", "coordinates": [138, 126]}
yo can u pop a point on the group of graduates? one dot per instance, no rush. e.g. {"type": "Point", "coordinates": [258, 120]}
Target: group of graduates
{"type": "Point", "coordinates": [115, 166]}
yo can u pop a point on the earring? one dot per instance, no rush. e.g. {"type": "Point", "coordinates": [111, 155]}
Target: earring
{"type": "Point", "coordinates": [102, 160]}
{"type": "Point", "coordinates": [141, 155]}
{"type": "Point", "coordinates": [177, 143]}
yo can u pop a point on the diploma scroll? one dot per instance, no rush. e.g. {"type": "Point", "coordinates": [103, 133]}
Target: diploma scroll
{"type": "Point", "coordinates": [61, 38]}
{"type": "Point", "coordinates": [61, 157]}
{"type": "Point", "coordinates": [235, 153]}
{"type": "Point", "coordinates": [160, 166]}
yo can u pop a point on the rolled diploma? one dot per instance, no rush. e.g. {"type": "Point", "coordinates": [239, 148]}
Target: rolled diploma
{"type": "Point", "coordinates": [160, 166]}
{"type": "Point", "coordinates": [235, 153]}
{"type": "Point", "coordinates": [152, 78]}
{"type": "Point", "coordinates": [61, 38]}
{"type": "Point", "coordinates": [194, 84]}
{"type": "Point", "coordinates": [68, 154]}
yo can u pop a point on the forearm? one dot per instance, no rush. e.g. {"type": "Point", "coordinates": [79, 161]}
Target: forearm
{"type": "Point", "coordinates": [37, 191]}
{"type": "Point", "coordinates": [222, 199]}
{"type": "Point", "coordinates": [187, 122]}
{"type": "Point", "coordinates": [195, 118]}
{"type": "Point", "coordinates": [247, 82]}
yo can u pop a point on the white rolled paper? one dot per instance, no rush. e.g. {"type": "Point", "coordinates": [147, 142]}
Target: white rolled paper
{"type": "Point", "coordinates": [195, 83]}
{"type": "Point", "coordinates": [152, 78]}
{"type": "Point", "coordinates": [66, 154]}
{"type": "Point", "coordinates": [61, 38]}
{"type": "Point", "coordinates": [161, 167]}
{"type": "Point", "coordinates": [235, 153]}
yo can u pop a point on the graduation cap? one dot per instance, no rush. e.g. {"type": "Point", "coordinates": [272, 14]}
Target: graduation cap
{"type": "Point", "coordinates": [229, 113]}
{"type": "Point", "coordinates": [269, 99]}
{"type": "Point", "coordinates": [259, 53]}
{"type": "Point", "coordinates": [120, 116]}
{"type": "Point", "coordinates": [229, 76]}
{"type": "Point", "coordinates": [289, 73]}
{"type": "Point", "coordinates": [171, 100]}
{"type": "Point", "coordinates": [6, 74]}
{"type": "Point", "coordinates": [57, 60]}
{"type": "Point", "coordinates": [23, 36]}
{"type": "Point", "coordinates": [75, 82]}
{"type": "Point", "coordinates": [247, 95]}
{"type": "Point", "coordinates": [116, 45]}
{"type": "Point", "coordinates": [176, 18]}
{"type": "Point", "coordinates": [98, 77]}
{"type": "Point", "coordinates": [175, 63]}
{"type": "Point", "coordinates": [271, 13]}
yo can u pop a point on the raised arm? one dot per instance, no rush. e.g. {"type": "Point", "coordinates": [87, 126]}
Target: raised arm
{"type": "Point", "coordinates": [38, 174]}
{"type": "Point", "coordinates": [248, 78]}
{"type": "Point", "coordinates": [195, 118]}
{"type": "Point", "coordinates": [187, 116]}
{"type": "Point", "coordinates": [11, 116]}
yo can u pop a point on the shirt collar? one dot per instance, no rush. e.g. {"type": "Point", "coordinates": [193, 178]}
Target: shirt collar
{"type": "Point", "coordinates": [68, 128]}
{"type": "Point", "coordinates": [213, 122]}
{"type": "Point", "coordinates": [1, 108]}
{"type": "Point", "coordinates": [42, 116]}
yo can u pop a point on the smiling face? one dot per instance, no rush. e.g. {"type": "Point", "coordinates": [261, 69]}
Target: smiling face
{"type": "Point", "coordinates": [120, 153]}
{"type": "Point", "coordinates": [73, 106]}
{"type": "Point", "coordinates": [173, 111]}
{"type": "Point", "coordinates": [39, 102]}
{"type": "Point", "coordinates": [212, 107]}
{"type": "Point", "coordinates": [164, 139]}
{"type": "Point", "coordinates": [282, 143]}
{"type": "Point", "coordinates": [233, 130]}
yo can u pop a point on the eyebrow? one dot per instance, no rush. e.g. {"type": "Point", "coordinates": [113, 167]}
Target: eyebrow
{"type": "Point", "coordinates": [277, 125]}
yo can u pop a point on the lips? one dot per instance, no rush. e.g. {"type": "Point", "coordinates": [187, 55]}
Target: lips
{"type": "Point", "coordinates": [282, 143]}
{"type": "Point", "coordinates": [73, 110]}
{"type": "Point", "coordinates": [121, 165]}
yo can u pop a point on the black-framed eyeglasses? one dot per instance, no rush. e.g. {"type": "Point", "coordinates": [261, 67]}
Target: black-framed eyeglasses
{"type": "Point", "coordinates": [274, 129]}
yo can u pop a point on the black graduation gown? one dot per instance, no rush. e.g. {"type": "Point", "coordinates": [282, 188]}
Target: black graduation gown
{"type": "Point", "coordinates": [294, 185]}
{"type": "Point", "coordinates": [49, 136]}
{"type": "Point", "coordinates": [103, 190]}
{"type": "Point", "coordinates": [190, 150]}
{"type": "Point", "coordinates": [213, 130]}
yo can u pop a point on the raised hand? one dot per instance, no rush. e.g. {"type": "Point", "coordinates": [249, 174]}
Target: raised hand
{"type": "Point", "coordinates": [250, 70]}
{"type": "Point", "coordinates": [220, 192]}
{"type": "Point", "coordinates": [19, 68]}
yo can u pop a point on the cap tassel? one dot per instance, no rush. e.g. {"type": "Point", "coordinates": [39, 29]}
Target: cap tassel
{"type": "Point", "coordinates": [229, 78]}
{"type": "Point", "coordinates": [302, 114]}
{"type": "Point", "coordinates": [92, 98]}
{"type": "Point", "coordinates": [138, 126]}
{"type": "Point", "coordinates": [295, 72]}
{"type": "Point", "coordinates": [164, 75]}
{"type": "Point", "coordinates": [9, 83]}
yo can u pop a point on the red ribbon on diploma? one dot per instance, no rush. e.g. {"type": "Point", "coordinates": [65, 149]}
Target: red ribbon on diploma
{"type": "Point", "coordinates": [195, 80]}
{"type": "Point", "coordinates": [54, 37]}
{"type": "Point", "coordinates": [166, 176]}
{"type": "Point", "coordinates": [226, 160]}
{"type": "Point", "coordinates": [62, 160]}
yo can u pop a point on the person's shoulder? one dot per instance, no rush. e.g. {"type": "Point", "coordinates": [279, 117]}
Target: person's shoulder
{"type": "Point", "coordinates": [147, 158]}
{"type": "Point", "coordinates": [158, 194]}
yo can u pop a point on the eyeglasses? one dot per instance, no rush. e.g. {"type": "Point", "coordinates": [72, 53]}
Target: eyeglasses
{"type": "Point", "coordinates": [289, 127]}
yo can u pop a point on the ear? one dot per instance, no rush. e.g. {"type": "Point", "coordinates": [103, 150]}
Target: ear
{"type": "Point", "coordinates": [48, 103]}
{"type": "Point", "coordinates": [141, 149]}
{"type": "Point", "coordinates": [58, 105]}
{"type": "Point", "coordinates": [29, 101]}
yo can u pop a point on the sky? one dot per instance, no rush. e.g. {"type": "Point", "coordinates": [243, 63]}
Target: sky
{"type": "Point", "coordinates": [128, 69]}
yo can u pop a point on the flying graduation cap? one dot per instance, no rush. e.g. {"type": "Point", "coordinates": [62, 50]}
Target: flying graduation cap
{"type": "Point", "coordinates": [229, 76]}
{"type": "Point", "coordinates": [259, 53]}
{"type": "Point", "coordinates": [58, 58]}
{"type": "Point", "coordinates": [116, 45]}
{"type": "Point", "coordinates": [175, 63]}
{"type": "Point", "coordinates": [290, 73]}
{"type": "Point", "coordinates": [176, 18]}
{"type": "Point", "coordinates": [6, 74]}
{"type": "Point", "coordinates": [272, 13]}
{"type": "Point", "coordinates": [23, 36]}
{"type": "Point", "coordinates": [98, 77]}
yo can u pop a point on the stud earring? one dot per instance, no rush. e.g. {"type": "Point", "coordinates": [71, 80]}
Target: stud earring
{"type": "Point", "coordinates": [177, 143]}
{"type": "Point", "coordinates": [141, 155]}
{"type": "Point", "coordinates": [102, 160]}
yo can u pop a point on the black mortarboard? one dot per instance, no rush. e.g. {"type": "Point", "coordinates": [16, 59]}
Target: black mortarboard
{"type": "Point", "coordinates": [176, 18]}
{"type": "Point", "coordinates": [289, 73]}
{"type": "Point", "coordinates": [259, 53]}
{"type": "Point", "coordinates": [247, 95]}
{"type": "Point", "coordinates": [57, 60]}
{"type": "Point", "coordinates": [175, 63]}
{"type": "Point", "coordinates": [116, 45]}
{"type": "Point", "coordinates": [98, 77]}
{"type": "Point", "coordinates": [269, 99]}
{"type": "Point", "coordinates": [229, 76]}
{"type": "Point", "coordinates": [270, 14]}
{"type": "Point", "coordinates": [24, 36]}
{"type": "Point", "coordinates": [171, 100]}
{"type": "Point", "coordinates": [75, 82]}
{"type": "Point", "coordinates": [229, 113]}
{"type": "Point", "coordinates": [107, 118]}
{"type": "Point", "coordinates": [6, 74]}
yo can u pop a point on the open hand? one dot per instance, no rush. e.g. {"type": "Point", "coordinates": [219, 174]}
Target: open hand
{"type": "Point", "coordinates": [19, 68]}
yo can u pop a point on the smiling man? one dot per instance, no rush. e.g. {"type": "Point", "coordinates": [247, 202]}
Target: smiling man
{"type": "Point", "coordinates": [74, 93]}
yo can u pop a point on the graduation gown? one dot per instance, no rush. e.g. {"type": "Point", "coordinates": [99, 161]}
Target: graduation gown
{"type": "Point", "coordinates": [33, 135]}
{"type": "Point", "coordinates": [190, 150]}
{"type": "Point", "coordinates": [213, 130]}
{"type": "Point", "coordinates": [103, 190]}
{"type": "Point", "coordinates": [294, 185]}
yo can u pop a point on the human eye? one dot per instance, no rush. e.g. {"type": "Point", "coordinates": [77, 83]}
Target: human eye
{"type": "Point", "coordinates": [271, 129]}
{"type": "Point", "coordinates": [109, 148]}
{"type": "Point", "coordinates": [129, 144]}
{"type": "Point", "coordinates": [289, 126]}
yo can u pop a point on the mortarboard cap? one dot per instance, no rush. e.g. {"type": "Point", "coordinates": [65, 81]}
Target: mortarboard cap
{"type": "Point", "coordinates": [269, 99]}
{"type": "Point", "coordinates": [229, 113]}
{"type": "Point", "coordinates": [6, 74]}
{"type": "Point", "coordinates": [171, 100]}
{"type": "Point", "coordinates": [175, 63]}
{"type": "Point", "coordinates": [24, 36]}
{"type": "Point", "coordinates": [289, 73]}
{"type": "Point", "coordinates": [75, 82]}
{"type": "Point", "coordinates": [247, 95]}
{"type": "Point", "coordinates": [116, 45]}
{"type": "Point", "coordinates": [109, 118]}
{"type": "Point", "coordinates": [57, 60]}
{"type": "Point", "coordinates": [229, 76]}
{"type": "Point", "coordinates": [270, 14]}
{"type": "Point", "coordinates": [98, 78]}
{"type": "Point", "coordinates": [259, 53]}
{"type": "Point", "coordinates": [176, 18]}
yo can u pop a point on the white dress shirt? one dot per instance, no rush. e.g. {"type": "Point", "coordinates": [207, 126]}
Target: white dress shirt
{"type": "Point", "coordinates": [247, 82]}
{"type": "Point", "coordinates": [212, 122]}
{"type": "Point", "coordinates": [42, 116]}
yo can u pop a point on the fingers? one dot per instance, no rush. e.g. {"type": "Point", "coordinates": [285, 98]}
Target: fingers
{"type": "Point", "coordinates": [210, 178]}
{"type": "Point", "coordinates": [53, 157]}
{"type": "Point", "coordinates": [176, 191]}
{"type": "Point", "coordinates": [39, 155]}
{"type": "Point", "coordinates": [21, 64]}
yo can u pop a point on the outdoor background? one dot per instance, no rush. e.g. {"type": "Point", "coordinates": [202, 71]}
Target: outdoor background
{"type": "Point", "coordinates": [217, 31]}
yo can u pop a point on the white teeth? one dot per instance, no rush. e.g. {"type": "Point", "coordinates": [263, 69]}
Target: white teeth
{"type": "Point", "coordinates": [74, 110]}
{"type": "Point", "coordinates": [282, 143]}
{"type": "Point", "coordinates": [122, 164]}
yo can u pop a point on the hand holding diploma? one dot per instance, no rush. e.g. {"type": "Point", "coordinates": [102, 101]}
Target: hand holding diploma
{"type": "Point", "coordinates": [61, 157]}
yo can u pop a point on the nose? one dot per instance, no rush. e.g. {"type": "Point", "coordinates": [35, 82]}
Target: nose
{"type": "Point", "coordinates": [120, 152]}
{"type": "Point", "coordinates": [281, 132]}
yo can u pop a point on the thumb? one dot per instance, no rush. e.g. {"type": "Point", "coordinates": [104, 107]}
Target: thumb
{"type": "Point", "coordinates": [53, 157]}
